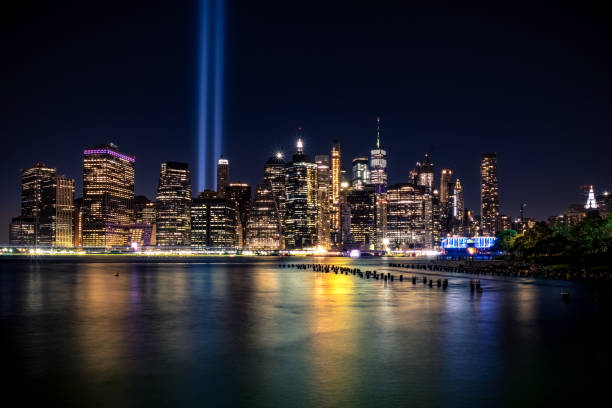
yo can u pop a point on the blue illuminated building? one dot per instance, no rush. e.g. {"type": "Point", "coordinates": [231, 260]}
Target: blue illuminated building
{"type": "Point", "coordinates": [482, 243]}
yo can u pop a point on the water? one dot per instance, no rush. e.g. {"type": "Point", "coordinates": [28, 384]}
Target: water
{"type": "Point", "coordinates": [245, 333]}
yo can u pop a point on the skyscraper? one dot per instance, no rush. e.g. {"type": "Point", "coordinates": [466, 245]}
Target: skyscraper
{"type": "Point", "coordinates": [458, 206]}
{"type": "Point", "coordinates": [301, 209]}
{"type": "Point", "coordinates": [240, 195]}
{"type": "Point", "coordinates": [222, 176]}
{"type": "Point", "coordinates": [32, 181]}
{"type": "Point", "coordinates": [425, 173]}
{"type": "Point", "coordinates": [409, 216]}
{"type": "Point", "coordinates": [591, 203]}
{"type": "Point", "coordinates": [378, 163]}
{"type": "Point", "coordinates": [361, 173]}
{"type": "Point", "coordinates": [324, 201]}
{"type": "Point", "coordinates": [489, 194]}
{"type": "Point", "coordinates": [263, 230]}
{"type": "Point", "coordinates": [446, 186]}
{"type": "Point", "coordinates": [362, 204]}
{"type": "Point", "coordinates": [336, 169]}
{"type": "Point", "coordinates": [108, 196]}
{"type": "Point", "coordinates": [172, 205]}
{"type": "Point", "coordinates": [25, 229]}
{"type": "Point", "coordinates": [274, 177]}
{"type": "Point", "coordinates": [57, 212]}
{"type": "Point", "coordinates": [213, 222]}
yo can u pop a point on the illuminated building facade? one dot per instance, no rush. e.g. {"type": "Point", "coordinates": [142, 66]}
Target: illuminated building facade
{"type": "Point", "coordinates": [32, 181]}
{"type": "Point", "coordinates": [57, 212]}
{"type": "Point", "coordinates": [77, 223]}
{"type": "Point", "coordinates": [23, 231]}
{"type": "Point", "coordinates": [362, 204]}
{"type": "Point", "coordinates": [144, 230]}
{"type": "Point", "coordinates": [222, 176]}
{"type": "Point", "coordinates": [361, 173]}
{"type": "Point", "coordinates": [336, 169]}
{"type": "Point", "coordinates": [446, 186]}
{"type": "Point", "coordinates": [409, 216]}
{"type": "Point", "coordinates": [425, 173]}
{"type": "Point", "coordinates": [213, 223]}
{"type": "Point", "coordinates": [324, 201]}
{"type": "Point", "coordinates": [489, 194]}
{"type": "Point", "coordinates": [108, 196]}
{"type": "Point", "coordinates": [240, 195]}
{"type": "Point", "coordinates": [172, 205]}
{"type": "Point", "coordinates": [591, 203]}
{"type": "Point", "coordinates": [274, 176]}
{"type": "Point", "coordinates": [378, 163]}
{"type": "Point", "coordinates": [263, 230]}
{"type": "Point", "coordinates": [300, 224]}
{"type": "Point", "coordinates": [458, 206]}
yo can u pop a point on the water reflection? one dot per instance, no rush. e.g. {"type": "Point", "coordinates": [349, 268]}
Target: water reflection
{"type": "Point", "coordinates": [251, 334]}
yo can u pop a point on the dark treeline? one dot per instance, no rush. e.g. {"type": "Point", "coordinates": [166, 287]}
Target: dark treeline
{"type": "Point", "coordinates": [585, 246]}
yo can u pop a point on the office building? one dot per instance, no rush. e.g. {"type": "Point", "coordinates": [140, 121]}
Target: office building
{"type": "Point", "coordinates": [213, 222]}
{"type": "Point", "coordinates": [489, 194]}
{"type": "Point", "coordinates": [361, 173]}
{"type": "Point", "coordinates": [172, 205]}
{"type": "Point", "coordinates": [222, 177]}
{"type": "Point", "coordinates": [378, 163]}
{"type": "Point", "coordinates": [108, 196]}
{"type": "Point", "coordinates": [300, 223]}
{"type": "Point", "coordinates": [263, 230]}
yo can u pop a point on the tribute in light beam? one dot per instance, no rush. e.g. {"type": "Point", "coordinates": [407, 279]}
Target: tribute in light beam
{"type": "Point", "coordinates": [210, 75]}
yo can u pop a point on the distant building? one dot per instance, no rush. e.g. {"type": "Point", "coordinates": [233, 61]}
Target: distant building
{"type": "Point", "coordinates": [263, 230]}
{"type": "Point", "coordinates": [336, 170]}
{"type": "Point", "coordinates": [22, 231]}
{"type": "Point", "coordinates": [144, 230]}
{"type": "Point", "coordinates": [32, 181]}
{"type": "Point", "coordinates": [489, 194]}
{"type": "Point", "coordinates": [324, 201]}
{"type": "Point", "coordinates": [108, 196]}
{"type": "Point", "coordinates": [362, 205]}
{"type": "Point", "coordinates": [47, 209]}
{"type": "Point", "coordinates": [361, 173]}
{"type": "Point", "coordinates": [425, 173]}
{"type": "Point", "coordinates": [378, 163]}
{"type": "Point", "coordinates": [409, 216]}
{"type": "Point", "coordinates": [300, 223]}
{"type": "Point", "coordinates": [222, 177]}
{"type": "Point", "coordinates": [57, 212]}
{"type": "Point", "coordinates": [213, 223]}
{"type": "Point", "coordinates": [77, 223]}
{"type": "Point", "coordinates": [172, 205]}
{"type": "Point", "coordinates": [504, 222]}
{"type": "Point", "coordinates": [240, 195]}
{"type": "Point", "coordinates": [446, 186]}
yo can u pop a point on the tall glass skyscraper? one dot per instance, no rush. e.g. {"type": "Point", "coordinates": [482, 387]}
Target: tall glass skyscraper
{"type": "Point", "coordinates": [108, 196]}
{"type": "Point", "coordinates": [489, 194]}
{"type": "Point", "coordinates": [324, 201]}
{"type": "Point", "coordinates": [300, 228]}
{"type": "Point", "coordinates": [336, 174]}
{"type": "Point", "coordinates": [173, 204]}
{"type": "Point", "coordinates": [222, 177]}
{"type": "Point", "coordinates": [378, 163]}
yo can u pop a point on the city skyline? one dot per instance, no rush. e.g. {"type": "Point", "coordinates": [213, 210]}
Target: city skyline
{"type": "Point", "coordinates": [440, 86]}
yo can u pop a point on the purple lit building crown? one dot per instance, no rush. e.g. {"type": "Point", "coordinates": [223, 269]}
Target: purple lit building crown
{"type": "Point", "coordinates": [111, 152]}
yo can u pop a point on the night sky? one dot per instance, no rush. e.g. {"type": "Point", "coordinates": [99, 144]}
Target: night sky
{"type": "Point", "coordinates": [531, 84]}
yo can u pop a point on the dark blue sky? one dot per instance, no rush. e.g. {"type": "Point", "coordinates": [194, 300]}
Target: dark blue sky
{"type": "Point", "coordinates": [531, 83]}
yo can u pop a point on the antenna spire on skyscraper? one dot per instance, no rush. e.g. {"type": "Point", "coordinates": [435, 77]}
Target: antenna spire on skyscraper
{"type": "Point", "coordinates": [378, 132]}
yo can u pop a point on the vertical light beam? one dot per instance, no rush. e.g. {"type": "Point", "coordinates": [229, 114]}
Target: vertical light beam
{"type": "Point", "coordinates": [204, 58]}
{"type": "Point", "coordinates": [219, 50]}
